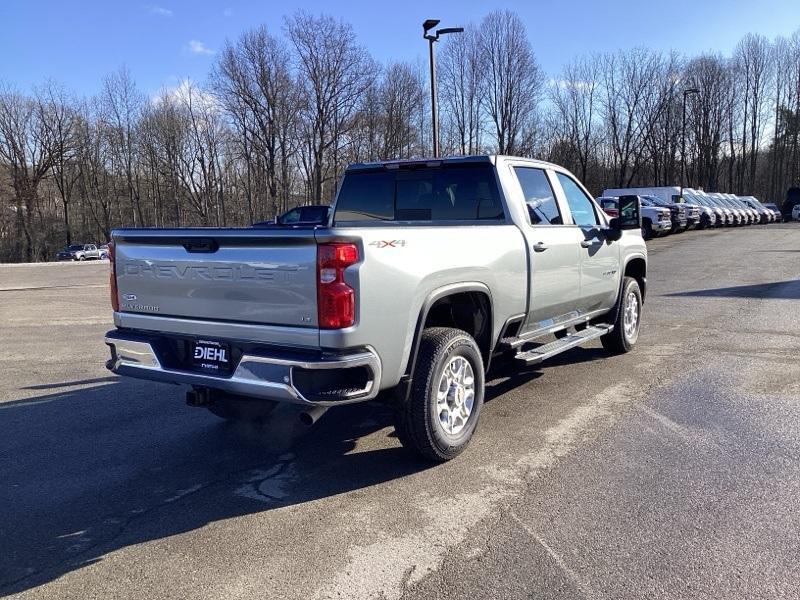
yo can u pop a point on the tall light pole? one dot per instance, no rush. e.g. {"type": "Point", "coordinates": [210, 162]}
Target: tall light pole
{"type": "Point", "coordinates": [686, 93]}
{"type": "Point", "coordinates": [427, 25]}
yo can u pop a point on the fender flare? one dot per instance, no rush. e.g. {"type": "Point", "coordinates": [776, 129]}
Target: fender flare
{"type": "Point", "coordinates": [618, 303]}
{"type": "Point", "coordinates": [430, 300]}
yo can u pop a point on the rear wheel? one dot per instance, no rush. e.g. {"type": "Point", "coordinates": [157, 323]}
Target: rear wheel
{"type": "Point", "coordinates": [626, 327]}
{"type": "Point", "coordinates": [441, 413]}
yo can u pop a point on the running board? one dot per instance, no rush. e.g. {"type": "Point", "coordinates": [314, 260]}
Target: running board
{"type": "Point", "coordinates": [540, 353]}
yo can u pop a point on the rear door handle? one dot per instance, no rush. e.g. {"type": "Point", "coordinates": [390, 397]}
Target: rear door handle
{"type": "Point", "coordinates": [539, 247]}
{"type": "Point", "coordinates": [589, 243]}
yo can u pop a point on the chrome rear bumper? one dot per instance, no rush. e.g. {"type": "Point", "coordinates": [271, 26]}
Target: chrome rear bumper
{"type": "Point", "coordinates": [267, 377]}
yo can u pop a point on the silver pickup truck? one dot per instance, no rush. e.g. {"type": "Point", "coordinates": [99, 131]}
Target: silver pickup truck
{"type": "Point", "coordinates": [426, 272]}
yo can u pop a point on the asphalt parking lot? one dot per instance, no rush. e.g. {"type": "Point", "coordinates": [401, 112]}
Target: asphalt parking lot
{"type": "Point", "coordinates": [670, 472]}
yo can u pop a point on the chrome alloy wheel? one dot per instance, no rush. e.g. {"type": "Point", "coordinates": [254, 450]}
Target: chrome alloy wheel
{"type": "Point", "coordinates": [630, 321]}
{"type": "Point", "coordinates": [455, 396]}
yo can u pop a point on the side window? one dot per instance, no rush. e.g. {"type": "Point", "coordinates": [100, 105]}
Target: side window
{"type": "Point", "coordinates": [293, 216]}
{"type": "Point", "coordinates": [366, 196]}
{"type": "Point", "coordinates": [539, 198]}
{"type": "Point", "coordinates": [580, 205]}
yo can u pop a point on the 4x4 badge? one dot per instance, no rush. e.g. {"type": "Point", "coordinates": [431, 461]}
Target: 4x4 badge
{"type": "Point", "coordinates": [388, 243]}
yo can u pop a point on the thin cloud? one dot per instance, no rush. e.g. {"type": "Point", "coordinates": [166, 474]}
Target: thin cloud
{"type": "Point", "coordinates": [198, 47]}
{"type": "Point", "coordinates": [154, 9]}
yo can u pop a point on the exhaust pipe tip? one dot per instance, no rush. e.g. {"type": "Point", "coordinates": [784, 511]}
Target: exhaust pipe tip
{"type": "Point", "coordinates": [312, 415]}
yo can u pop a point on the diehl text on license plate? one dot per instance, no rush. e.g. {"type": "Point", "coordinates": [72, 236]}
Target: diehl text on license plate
{"type": "Point", "coordinates": [211, 356]}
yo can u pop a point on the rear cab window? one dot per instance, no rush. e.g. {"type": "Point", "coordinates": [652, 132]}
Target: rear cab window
{"type": "Point", "coordinates": [428, 194]}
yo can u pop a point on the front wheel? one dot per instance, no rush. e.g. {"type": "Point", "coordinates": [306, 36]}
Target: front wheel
{"type": "Point", "coordinates": [647, 229]}
{"type": "Point", "coordinates": [629, 316]}
{"type": "Point", "coordinates": [441, 413]}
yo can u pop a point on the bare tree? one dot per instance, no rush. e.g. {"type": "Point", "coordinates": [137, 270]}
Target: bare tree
{"type": "Point", "coordinates": [575, 98]}
{"type": "Point", "coordinates": [460, 72]}
{"type": "Point", "coordinates": [402, 96]}
{"type": "Point", "coordinates": [334, 72]}
{"type": "Point", "coordinates": [513, 79]}
{"type": "Point", "coordinates": [630, 107]}
{"type": "Point", "coordinates": [254, 83]}
{"type": "Point", "coordinates": [752, 64]}
{"type": "Point", "coordinates": [25, 148]}
{"type": "Point", "coordinates": [59, 116]}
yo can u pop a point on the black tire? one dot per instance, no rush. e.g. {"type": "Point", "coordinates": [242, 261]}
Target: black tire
{"type": "Point", "coordinates": [417, 421]}
{"type": "Point", "coordinates": [618, 341]}
{"type": "Point", "coordinates": [242, 410]}
{"type": "Point", "coordinates": [647, 229]}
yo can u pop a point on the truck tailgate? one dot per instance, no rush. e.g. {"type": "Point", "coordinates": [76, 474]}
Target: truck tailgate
{"type": "Point", "coordinates": [235, 275]}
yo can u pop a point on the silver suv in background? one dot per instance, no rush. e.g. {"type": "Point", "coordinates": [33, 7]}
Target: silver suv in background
{"type": "Point", "coordinates": [79, 252]}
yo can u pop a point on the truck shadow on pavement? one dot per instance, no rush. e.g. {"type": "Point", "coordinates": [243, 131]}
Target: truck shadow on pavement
{"type": "Point", "coordinates": [91, 470]}
{"type": "Point", "coordinates": [785, 290]}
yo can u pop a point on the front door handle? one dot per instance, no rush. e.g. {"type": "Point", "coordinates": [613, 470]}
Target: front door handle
{"type": "Point", "coordinates": [589, 243]}
{"type": "Point", "coordinates": [539, 247]}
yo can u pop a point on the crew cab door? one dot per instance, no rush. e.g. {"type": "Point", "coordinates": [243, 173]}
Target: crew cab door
{"type": "Point", "coordinates": [599, 256]}
{"type": "Point", "coordinates": [553, 253]}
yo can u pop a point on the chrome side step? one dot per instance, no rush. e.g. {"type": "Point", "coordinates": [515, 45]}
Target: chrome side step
{"type": "Point", "coordinates": [540, 353]}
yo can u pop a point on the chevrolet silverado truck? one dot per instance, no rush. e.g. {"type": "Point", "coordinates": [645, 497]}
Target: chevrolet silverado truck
{"type": "Point", "coordinates": [425, 273]}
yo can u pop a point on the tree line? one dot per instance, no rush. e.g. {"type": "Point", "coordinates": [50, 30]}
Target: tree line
{"type": "Point", "coordinates": [282, 113]}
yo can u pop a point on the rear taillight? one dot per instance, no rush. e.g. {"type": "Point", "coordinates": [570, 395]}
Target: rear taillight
{"type": "Point", "coordinates": [112, 277]}
{"type": "Point", "coordinates": [336, 302]}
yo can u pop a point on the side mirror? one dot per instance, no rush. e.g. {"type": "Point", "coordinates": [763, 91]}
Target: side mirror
{"type": "Point", "coordinates": [630, 213]}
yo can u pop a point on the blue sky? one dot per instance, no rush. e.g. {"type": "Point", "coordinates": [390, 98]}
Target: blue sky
{"type": "Point", "coordinates": [162, 42]}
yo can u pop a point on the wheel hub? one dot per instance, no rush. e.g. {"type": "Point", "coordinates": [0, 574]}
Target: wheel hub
{"type": "Point", "coordinates": [631, 315]}
{"type": "Point", "coordinates": [455, 395]}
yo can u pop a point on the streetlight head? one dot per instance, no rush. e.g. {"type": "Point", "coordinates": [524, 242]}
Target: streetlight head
{"type": "Point", "coordinates": [449, 30]}
{"type": "Point", "coordinates": [429, 24]}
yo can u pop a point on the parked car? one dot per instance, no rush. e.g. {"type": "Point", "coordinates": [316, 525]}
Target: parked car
{"type": "Point", "coordinates": [380, 300]}
{"type": "Point", "coordinates": [751, 214]}
{"type": "Point", "coordinates": [103, 251]}
{"type": "Point", "coordinates": [677, 212]}
{"type": "Point", "coordinates": [300, 216]}
{"type": "Point", "coordinates": [79, 252]}
{"type": "Point", "coordinates": [739, 218]}
{"type": "Point", "coordinates": [796, 212]}
{"type": "Point", "coordinates": [776, 211]}
{"type": "Point", "coordinates": [764, 214]}
{"type": "Point", "coordinates": [711, 214]}
{"type": "Point", "coordinates": [656, 221]}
